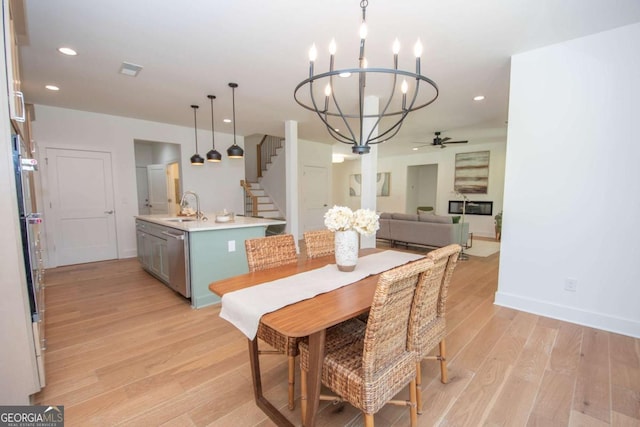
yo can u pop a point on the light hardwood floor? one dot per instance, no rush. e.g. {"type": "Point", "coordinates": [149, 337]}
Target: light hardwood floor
{"type": "Point", "coordinates": [123, 349]}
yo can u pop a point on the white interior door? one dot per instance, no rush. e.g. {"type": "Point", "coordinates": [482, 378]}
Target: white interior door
{"type": "Point", "coordinates": [173, 182]}
{"type": "Point", "coordinates": [315, 199]}
{"type": "Point", "coordinates": [143, 190]}
{"type": "Point", "coordinates": [81, 206]}
{"type": "Point", "coordinates": [158, 197]}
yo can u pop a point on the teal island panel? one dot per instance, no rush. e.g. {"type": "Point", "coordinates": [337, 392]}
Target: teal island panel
{"type": "Point", "coordinates": [211, 259]}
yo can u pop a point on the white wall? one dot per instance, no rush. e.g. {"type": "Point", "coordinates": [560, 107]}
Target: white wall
{"type": "Point", "coordinates": [573, 150]}
{"type": "Point", "coordinates": [218, 184]}
{"type": "Point", "coordinates": [445, 159]}
{"type": "Point", "coordinates": [251, 157]}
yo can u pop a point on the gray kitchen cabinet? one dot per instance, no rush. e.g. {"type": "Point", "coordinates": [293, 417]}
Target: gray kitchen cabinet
{"type": "Point", "coordinates": [152, 249]}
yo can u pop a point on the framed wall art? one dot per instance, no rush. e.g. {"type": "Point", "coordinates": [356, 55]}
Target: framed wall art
{"type": "Point", "coordinates": [472, 173]}
{"type": "Point", "coordinates": [383, 184]}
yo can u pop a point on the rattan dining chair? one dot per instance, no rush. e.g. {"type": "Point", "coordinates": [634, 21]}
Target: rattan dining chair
{"type": "Point", "coordinates": [319, 243]}
{"type": "Point", "coordinates": [427, 325]}
{"type": "Point", "coordinates": [270, 252]}
{"type": "Point", "coordinates": [373, 366]}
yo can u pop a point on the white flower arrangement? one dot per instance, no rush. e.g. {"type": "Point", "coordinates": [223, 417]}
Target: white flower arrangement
{"type": "Point", "coordinates": [341, 218]}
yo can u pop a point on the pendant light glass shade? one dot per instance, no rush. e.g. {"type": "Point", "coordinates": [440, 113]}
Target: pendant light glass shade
{"type": "Point", "coordinates": [235, 151]}
{"type": "Point", "coordinates": [213, 155]}
{"type": "Point", "coordinates": [196, 159]}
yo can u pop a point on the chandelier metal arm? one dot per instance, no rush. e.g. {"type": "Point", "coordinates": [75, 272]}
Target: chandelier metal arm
{"type": "Point", "coordinates": [399, 123]}
{"type": "Point", "coordinates": [384, 110]}
{"type": "Point", "coordinates": [340, 114]}
{"type": "Point", "coordinates": [410, 74]}
{"type": "Point", "coordinates": [334, 134]}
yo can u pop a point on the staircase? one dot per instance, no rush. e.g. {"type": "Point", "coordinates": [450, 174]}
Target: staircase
{"type": "Point", "coordinates": [266, 150]}
{"type": "Point", "coordinates": [257, 202]}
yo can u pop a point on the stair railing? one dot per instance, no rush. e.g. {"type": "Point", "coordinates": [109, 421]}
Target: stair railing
{"type": "Point", "coordinates": [266, 149]}
{"type": "Point", "coordinates": [250, 200]}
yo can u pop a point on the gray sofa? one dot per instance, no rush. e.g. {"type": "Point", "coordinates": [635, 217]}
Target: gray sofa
{"type": "Point", "coordinates": [421, 229]}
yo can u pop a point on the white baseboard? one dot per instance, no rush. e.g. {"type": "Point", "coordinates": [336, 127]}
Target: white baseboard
{"type": "Point", "coordinates": [570, 314]}
{"type": "Point", "coordinates": [128, 253]}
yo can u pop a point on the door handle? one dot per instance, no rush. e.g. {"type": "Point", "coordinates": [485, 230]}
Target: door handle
{"type": "Point", "coordinates": [109, 212]}
{"type": "Point", "coordinates": [175, 236]}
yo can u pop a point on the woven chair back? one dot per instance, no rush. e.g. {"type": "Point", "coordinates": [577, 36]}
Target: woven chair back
{"type": "Point", "coordinates": [270, 252]}
{"type": "Point", "coordinates": [386, 333]}
{"type": "Point", "coordinates": [319, 243]}
{"type": "Point", "coordinates": [431, 294]}
{"type": "Point", "coordinates": [447, 255]}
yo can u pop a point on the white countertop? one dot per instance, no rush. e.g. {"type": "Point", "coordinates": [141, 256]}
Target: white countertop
{"type": "Point", "coordinates": [211, 224]}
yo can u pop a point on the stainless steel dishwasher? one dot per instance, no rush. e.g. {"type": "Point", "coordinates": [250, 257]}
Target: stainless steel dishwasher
{"type": "Point", "coordinates": [178, 259]}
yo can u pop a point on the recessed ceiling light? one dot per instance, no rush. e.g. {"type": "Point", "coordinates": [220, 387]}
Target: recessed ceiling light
{"type": "Point", "coordinates": [129, 69]}
{"type": "Point", "coordinates": [478, 98]}
{"type": "Point", "coordinates": [227, 120]}
{"type": "Point", "coordinates": [415, 148]}
{"type": "Point", "coordinates": [67, 51]}
{"type": "Point", "coordinates": [52, 87]}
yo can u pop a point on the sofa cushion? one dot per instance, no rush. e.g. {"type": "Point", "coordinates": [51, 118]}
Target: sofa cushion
{"type": "Point", "coordinates": [385, 215]}
{"type": "Point", "coordinates": [405, 217]}
{"type": "Point", "coordinates": [440, 219]}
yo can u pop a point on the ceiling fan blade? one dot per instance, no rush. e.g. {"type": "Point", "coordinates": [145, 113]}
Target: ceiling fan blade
{"type": "Point", "coordinates": [422, 144]}
{"type": "Point", "coordinates": [456, 142]}
{"type": "Point", "coordinates": [445, 139]}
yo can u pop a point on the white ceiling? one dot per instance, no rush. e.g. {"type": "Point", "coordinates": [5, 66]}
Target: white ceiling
{"type": "Point", "coordinates": [193, 48]}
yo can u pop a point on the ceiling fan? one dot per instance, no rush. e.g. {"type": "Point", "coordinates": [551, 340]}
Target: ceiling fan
{"type": "Point", "coordinates": [441, 142]}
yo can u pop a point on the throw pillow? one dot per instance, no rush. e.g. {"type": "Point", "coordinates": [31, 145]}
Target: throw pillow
{"type": "Point", "coordinates": [425, 209]}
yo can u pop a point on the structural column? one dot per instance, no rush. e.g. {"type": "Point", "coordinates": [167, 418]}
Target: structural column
{"type": "Point", "coordinates": [369, 167]}
{"type": "Point", "coordinates": [291, 172]}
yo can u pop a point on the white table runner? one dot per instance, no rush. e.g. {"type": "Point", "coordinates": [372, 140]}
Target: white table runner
{"type": "Point", "coordinates": [245, 307]}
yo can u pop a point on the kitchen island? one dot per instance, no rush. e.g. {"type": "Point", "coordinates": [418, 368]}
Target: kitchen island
{"type": "Point", "coordinates": [187, 253]}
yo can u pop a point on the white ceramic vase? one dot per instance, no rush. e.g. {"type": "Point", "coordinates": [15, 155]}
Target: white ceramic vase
{"type": "Point", "coordinates": [347, 245]}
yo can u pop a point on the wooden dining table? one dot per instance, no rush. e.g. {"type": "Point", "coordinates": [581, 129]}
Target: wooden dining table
{"type": "Point", "coordinates": [310, 317]}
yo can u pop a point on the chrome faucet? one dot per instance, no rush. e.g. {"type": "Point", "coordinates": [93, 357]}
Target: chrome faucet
{"type": "Point", "coordinates": [199, 213]}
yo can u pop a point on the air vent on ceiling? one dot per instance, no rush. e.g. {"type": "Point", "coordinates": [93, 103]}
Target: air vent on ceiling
{"type": "Point", "coordinates": [129, 69]}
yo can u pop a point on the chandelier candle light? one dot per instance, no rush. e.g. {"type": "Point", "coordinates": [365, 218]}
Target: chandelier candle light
{"type": "Point", "coordinates": [347, 224]}
{"type": "Point", "coordinates": [331, 109]}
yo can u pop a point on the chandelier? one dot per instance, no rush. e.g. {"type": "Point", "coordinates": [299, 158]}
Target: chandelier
{"type": "Point", "coordinates": [334, 103]}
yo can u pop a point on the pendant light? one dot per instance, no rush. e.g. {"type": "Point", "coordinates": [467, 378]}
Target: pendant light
{"type": "Point", "coordinates": [196, 159]}
{"type": "Point", "coordinates": [235, 151]}
{"type": "Point", "coordinates": [213, 155]}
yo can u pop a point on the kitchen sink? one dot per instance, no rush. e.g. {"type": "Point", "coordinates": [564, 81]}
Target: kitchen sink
{"type": "Point", "coordinates": [180, 219]}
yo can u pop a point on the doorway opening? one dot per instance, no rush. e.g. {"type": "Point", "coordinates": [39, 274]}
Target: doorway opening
{"type": "Point", "coordinates": [158, 177]}
{"type": "Point", "coordinates": [422, 187]}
